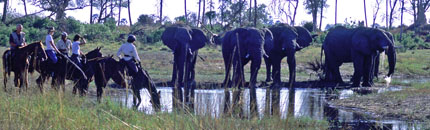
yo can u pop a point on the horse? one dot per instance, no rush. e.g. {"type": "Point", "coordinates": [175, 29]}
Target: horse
{"type": "Point", "coordinates": [19, 63]}
{"type": "Point", "coordinates": [64, 69]}
{"type": "Point", "coordinates": [108, 68]}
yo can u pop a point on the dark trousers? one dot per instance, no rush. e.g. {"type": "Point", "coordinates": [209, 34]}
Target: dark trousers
{"type": "Point", "coordinates": [75, 58]}
{"type": "Point", "coordinates": [131, 66]}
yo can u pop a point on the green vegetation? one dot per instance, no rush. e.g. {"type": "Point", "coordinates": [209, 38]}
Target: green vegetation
{"type": "Point", "coordinates": [57, 111]}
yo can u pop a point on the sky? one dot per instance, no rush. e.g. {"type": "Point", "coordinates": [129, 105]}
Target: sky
{"type": "Point", "coordinates": [350, 9]}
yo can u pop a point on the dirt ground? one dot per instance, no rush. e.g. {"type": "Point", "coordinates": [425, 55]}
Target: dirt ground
{"type": "Point", "coordinates": [410, 104]}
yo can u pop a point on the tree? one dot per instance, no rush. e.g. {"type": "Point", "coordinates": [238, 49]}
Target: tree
{"type": "Point", "coordinates": [3, 18]}
{"type": "Point", "coordinates": [255, 13]}
{"type": "Point", "coordinates": [392, 8]}
{"type": "Point", "coordinates": [313, 6]}
{"type": "Point", "coordinates": [145, 19]}
{"type": "Point", "coordinates": [59, 7]}
{"type": "Point", "coordinates": [198, 15]}
{"type": "Point", "coordinates": [119, 12]}
{"type": "Point", "coordinates": [250, 11]}
{"type": "Point", "coordinates": [211, 15]}
{"type": "Point", "coordinates": [321, 12]}
{"type": "Point", "coordinates": [375, 12]}
{"type": "Point", "coordinates": [335, 13]}
{"type": "Point", "coordinates": [25, 7]}
{"type": "Point", "coordinates": [278, 8]}
{"type": "Point", "coordinates": [91, 12]}
{"type": "Point", "coordinates": [365, 14]}
{"type": "Point", "coordinates": [419, 8]}
{"type": "Point", "coordinates": [129, 14]}
{"type": "Point", "coordinates": [401, 19]}
{"type": "Point", "coordinates": [186, 15]}
{"type": "Point", "coordinates": [161, 11]}
{"type": "Point", "coordinates": [203, 16]}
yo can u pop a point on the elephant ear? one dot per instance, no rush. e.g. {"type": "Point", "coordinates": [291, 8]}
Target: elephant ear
{"type": "Point", "coordinates": [168, 37]}
{"type": "Point", "coordinates": [198, 40]}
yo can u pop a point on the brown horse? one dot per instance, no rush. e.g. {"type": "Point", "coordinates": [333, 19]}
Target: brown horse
{"type": "Point", "coordinates": [19, 63]}
{"type": "Point", "coordinates": [64, 70]}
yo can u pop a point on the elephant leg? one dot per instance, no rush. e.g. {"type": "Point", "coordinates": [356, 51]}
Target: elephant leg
{"type": "Point", "coordinates": [291, 60]}
{"type": "Point", "coordinates": [276, 72]}
{"type": "Point", "coordinates": [358, 69]}
{"type": "Point", "coordinates": [268, 69]}
{"type": "Point", "coordinates": [192, 66]}
{"type": "Point", "coordinates": [376, 66]}
{"type": "Point", "coordinates": [255, 66]}
{"type": "Point", "coordinates": [180, 63]}
{"type": "Point", "coordinates": [336, 72]}
{"type": "Point", "coordinates": [367, 72]}
{"type": "Point", "coordinates": [174, 72]}
{"type": "Point", "coordinates": [237, 72]}
{"type": "Point", "coordinates": [227, 65]}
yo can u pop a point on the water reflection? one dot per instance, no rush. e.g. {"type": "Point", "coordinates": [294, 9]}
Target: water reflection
{"type": "Point", "coordinates": [283, 102]}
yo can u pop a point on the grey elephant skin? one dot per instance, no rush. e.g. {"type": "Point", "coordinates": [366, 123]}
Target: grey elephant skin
{"type": "Point", "coordinates": [359, 45]}
{"type": "Point", "coordinates": [286, 41]}
{"type": "Point", "coordinates": [185, 43]}
{"type": "Point", "coordinates": [239, 47]}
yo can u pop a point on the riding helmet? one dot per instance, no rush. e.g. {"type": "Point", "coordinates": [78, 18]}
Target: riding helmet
{"type": "Point", "coordinates": [131, 38]}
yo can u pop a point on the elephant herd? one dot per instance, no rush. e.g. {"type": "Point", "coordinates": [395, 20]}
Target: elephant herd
{"type": "Point", "coordinates": [361, 45]}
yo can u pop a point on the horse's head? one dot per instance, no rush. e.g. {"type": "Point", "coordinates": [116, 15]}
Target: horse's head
{"type": "Point", "coordinates": [41, 51]}
{"type": "Point", "coordinates": [94, 53]}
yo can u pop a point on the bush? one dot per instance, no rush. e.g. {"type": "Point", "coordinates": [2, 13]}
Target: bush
{"type": "Point", "coordinates": [410, 41]}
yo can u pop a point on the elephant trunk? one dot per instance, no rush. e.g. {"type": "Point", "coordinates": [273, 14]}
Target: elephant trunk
{"type": "Point", "coordinates": [391, 53]}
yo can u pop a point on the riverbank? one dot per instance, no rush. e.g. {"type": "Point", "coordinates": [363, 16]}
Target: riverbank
{"type": "Point", "coordinates": [52, 110]}
{"type": "Point", "coordinates": [411, 103]}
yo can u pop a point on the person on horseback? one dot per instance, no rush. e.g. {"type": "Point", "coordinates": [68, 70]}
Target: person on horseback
{"type": "Point", "coordinates": [64, 45]}
{"type": "Point", "coordinates": [130, 55]}
{"type": "Point", "coordinates": [17, 39]}
{"type": "Point", "coordinates": [76, 49]}
{"type": "Point", "coordinates": [51, 49]}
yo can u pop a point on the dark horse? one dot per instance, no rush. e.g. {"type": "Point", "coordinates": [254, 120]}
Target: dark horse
{"type": "Point", "coordinates": [19, 63]}
{"type": "Point", "coordinates": [64, 69]}
{"type": "Point", "coordinates": [107, 68]}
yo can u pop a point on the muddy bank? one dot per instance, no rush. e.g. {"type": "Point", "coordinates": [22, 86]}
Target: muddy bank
{"type": "Point", "coordinates": [409, 104]}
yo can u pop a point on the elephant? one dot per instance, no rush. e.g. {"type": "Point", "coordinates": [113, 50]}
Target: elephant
{"type": "Point", "coordinates": [359, 45]}
{"type": "Point", "coordinates": [376, 68]}
{"type": "Point", "coordinates": [286, 41]}
{"type": "Point", "coordinates": [185, 43]}
{"type": "Point", "coordinates": [240, 46]}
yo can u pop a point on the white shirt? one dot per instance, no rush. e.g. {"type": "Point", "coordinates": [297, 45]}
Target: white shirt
{"type": "Point", "coordinates": [76, 48]}
{"type": "Point", "coordinates": [64, 45]}
{"type": "Point", "coordinates": [48, 39]}
{"type": "Point", "coordinates": [128, 49]}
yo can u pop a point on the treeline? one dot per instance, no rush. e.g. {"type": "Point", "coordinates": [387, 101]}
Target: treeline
{"type": "Point", "coordinates": [107, 25]}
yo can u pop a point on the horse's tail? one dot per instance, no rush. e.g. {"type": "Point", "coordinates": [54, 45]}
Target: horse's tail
{"type": "Point", "coordinates": [6, 62]}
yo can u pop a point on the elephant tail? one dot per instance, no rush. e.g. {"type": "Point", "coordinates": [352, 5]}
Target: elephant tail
{"type": "Point", "coordinates": [321, 56]}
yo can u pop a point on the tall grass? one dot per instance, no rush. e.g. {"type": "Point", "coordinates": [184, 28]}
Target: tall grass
{"type": "Point", "coordinates": [54, 110]}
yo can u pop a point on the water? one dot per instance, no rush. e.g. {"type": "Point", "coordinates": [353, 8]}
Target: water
{"type": "Point", "coordinates": [305, 102]}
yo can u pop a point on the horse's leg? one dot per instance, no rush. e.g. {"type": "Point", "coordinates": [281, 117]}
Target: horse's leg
{"type": "Point", "coordinates": [99, 93]}
{"type": "Point", "coordinates": [5, 80]}
{"type": "Point", "coordinates": [136, 95]}
{"type": "Point", "coordinates": [26, 78]}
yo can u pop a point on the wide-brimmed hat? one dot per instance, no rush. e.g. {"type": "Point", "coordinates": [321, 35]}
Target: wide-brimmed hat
{"type": "Point", "coordinates": [51, 29]}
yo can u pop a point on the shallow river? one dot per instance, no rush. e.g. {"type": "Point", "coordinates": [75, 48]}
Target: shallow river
{"type": "Point", "coordinates": [305, 103]}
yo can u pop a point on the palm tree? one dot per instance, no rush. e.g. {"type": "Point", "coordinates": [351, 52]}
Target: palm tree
{"type": "Point", "coordinates": [198, 15]}
{"type": "Point", "coordinates": [129, 14]}
{"type": "Point", "coordinates": [203, 13]}
{"type": "Point", "coordinates": [25, 7]}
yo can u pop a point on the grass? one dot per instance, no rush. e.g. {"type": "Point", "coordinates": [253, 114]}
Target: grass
{"type": "Point", "coordinates": [54, 110]}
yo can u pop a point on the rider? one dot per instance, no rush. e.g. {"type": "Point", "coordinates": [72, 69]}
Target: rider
{"type": "Point", "coordinates": [17, 38]}
{"type": "Point", "coordinates": [130, 54]}
{"type": "Point", "coordinates": [51, 49]}
{"type": "Point", "coordinates": [64, 44]}
{"type": "Point", "coordinates": [76, 49]}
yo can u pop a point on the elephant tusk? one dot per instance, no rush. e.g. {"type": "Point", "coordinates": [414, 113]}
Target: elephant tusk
{"type": "Point", "coordinates": [247, 56]}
